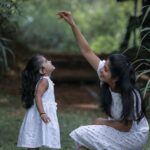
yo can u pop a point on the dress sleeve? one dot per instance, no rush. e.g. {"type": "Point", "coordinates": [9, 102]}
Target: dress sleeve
{"type": "Point", "coordinates": [100, 66]}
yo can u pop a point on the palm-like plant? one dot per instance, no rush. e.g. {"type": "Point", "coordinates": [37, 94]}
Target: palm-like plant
{"type": "Point", "coordinates": [7, 27]}
{"type": "Point", "coordinates": [4, 50]}
{"type": "Point", "coordinates": [143, 65]}
{"type": "Point", "coordinates": [140, 55]}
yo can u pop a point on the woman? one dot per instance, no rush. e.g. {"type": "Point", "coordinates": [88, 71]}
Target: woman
{"type": "Point", "coordinates": [126, 127]}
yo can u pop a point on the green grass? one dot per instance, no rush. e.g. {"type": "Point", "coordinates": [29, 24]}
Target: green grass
{"type": "Point", "coordinates": [10, 121]}
{"type": "Point", "coordinates": [11, 115]}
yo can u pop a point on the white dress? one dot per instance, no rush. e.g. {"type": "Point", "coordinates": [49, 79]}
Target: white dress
{"type": "Point", "coordinates": [102, 137]}
{"type": "Point", "coordinates": [34, 132]}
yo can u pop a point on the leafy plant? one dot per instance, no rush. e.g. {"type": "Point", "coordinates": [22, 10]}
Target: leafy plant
{"type": "Point", "coordinates": [7, 28]}
{"type": "Point", "coordinates": [4, 50]}
{"type": "Point", "coordinates": [140, 54]}
{"type": "Point", "coordinates": [43, 30]}
{"type": "Point", "coordinates": [143, 65]}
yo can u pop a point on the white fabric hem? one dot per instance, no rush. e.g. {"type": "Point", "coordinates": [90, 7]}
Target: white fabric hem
{"type": "Point", "coordinates": [38, 146]}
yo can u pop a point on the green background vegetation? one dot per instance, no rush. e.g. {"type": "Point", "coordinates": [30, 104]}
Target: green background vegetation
{"type": "Point", "coordinates": [102, 22]}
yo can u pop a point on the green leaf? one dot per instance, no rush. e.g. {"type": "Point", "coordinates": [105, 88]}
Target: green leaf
{"type": "Point", "coordinates": [147, 87]}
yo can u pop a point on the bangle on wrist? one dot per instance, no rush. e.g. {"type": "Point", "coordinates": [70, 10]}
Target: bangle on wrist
{"type": "Point", "coordinates": [42, 114]}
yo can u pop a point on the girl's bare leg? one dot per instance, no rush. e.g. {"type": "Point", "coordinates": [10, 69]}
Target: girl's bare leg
{"type": "Point", "coordinates": [83, 148]}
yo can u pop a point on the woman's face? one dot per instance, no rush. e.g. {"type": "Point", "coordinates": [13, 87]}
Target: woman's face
{"type": "Point", "coordinates": [105, 74]}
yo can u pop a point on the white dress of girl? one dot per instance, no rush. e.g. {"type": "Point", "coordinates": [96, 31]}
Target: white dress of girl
{"type": "Point", "coordinates": [34, 132]}
{"type": "Point", "coordinates": [102, 137]}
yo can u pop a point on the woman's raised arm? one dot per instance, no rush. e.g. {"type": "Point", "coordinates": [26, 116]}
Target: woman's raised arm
{"type": "Point", "coordinates": [90, 56]}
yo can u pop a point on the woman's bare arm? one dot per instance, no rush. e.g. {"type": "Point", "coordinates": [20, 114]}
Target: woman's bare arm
{"type": "Point", "coordinates": [90, 56]}
{"type": "Point", "coordinates": [118, 125]}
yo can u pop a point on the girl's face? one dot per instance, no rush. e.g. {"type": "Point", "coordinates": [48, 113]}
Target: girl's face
{"type": "Point", "coordinates": [47, 67]}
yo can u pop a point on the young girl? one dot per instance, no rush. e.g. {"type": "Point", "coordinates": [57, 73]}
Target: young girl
{"type": "Point", "coordinates": [40, 125]}
{"type": "Point", "coordinates": [127, 127]}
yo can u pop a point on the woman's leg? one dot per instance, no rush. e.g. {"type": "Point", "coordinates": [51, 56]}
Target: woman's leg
{"type": "Point", "coordinates": [83, 148]}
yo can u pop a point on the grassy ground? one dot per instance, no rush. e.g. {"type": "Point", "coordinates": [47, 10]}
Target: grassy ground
{"type": "Point", "coordinates": [11, 115]}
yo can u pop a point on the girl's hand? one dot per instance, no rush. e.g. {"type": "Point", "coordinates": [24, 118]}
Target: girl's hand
{"type": "Point", "coordinates": [45, 118]}
{"type": "Point", "coordinates": [66, 15]}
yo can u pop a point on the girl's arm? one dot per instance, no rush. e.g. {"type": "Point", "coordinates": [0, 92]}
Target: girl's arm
{"type": "Point", "coordinates": [118, 125]}
{"type": "Point", "coordinates": [40, 90]}
{"type": "Point", "coordinates": [82, 42]}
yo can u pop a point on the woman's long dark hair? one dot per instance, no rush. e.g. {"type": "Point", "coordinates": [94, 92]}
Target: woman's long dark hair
{"type": "Point", "coordinates": [126, 84]}
{"type": "Point", "coordinates": [29, 78]}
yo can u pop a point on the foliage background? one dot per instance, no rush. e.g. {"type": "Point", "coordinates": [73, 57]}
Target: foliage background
{"type": "Point", "coordinates": [102, 22]}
